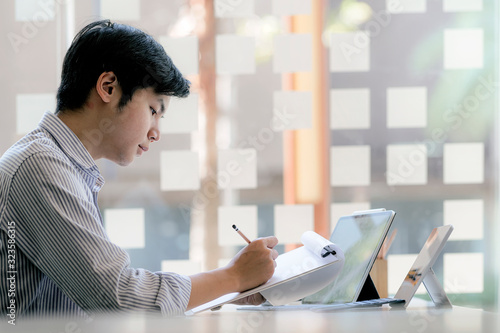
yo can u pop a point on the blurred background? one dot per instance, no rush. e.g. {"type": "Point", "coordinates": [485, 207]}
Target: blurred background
{"type": "Point", "coordinates": [301, 111]}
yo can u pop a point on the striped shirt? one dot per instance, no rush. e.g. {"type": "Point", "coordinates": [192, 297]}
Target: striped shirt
{"type": "Point", "coordinates": [55, 255]}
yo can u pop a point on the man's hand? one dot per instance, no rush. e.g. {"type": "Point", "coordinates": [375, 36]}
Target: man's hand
{"type": "Point", "coordinates": [251, 267]}
{"type": "Point", "coordinates": [254, 299]}
{"type": "Point", "coordinates": [254, 264]}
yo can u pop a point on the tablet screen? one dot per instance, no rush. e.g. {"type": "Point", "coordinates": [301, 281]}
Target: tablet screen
{"type": "Point", "coordinates": [360, 237]}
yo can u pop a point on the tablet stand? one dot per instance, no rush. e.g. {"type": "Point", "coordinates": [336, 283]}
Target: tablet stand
{"type": "Point", "coordinates": [435, 290]}
{"type": "Point", "coordinates": [432, 285]}
{"type": "Point", "coordinates": [420, 271]}
{"type": "Point", "coordinates": [369, 291]}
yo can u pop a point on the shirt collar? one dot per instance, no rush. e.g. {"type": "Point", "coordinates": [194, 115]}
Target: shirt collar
{"type": "Point", "coordinates": [69, 142]}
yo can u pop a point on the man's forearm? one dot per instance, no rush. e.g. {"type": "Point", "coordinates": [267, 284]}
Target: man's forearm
{"type": "Point", "coordinates": [210, 285]}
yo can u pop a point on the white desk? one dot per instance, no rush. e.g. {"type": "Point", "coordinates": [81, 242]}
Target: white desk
{"type": "Point", "coordinates": [230, 320]}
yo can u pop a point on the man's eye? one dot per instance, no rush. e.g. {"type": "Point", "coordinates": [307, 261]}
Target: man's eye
{"type": "Point", "coordinates": [153, 111]}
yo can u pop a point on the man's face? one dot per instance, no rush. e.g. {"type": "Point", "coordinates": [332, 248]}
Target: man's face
{"type": "Point", "coordinates": [135, 126]}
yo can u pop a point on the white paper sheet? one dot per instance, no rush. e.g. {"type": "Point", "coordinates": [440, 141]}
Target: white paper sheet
{"type": "Point", "coordinates": [297, 263]}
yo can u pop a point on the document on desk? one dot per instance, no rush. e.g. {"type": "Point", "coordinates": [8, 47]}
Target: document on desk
{"type": "Point", "coordinates": [299, 273]}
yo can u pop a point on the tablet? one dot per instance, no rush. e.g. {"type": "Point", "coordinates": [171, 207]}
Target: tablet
{"type": "Point", "coordinates": [360, 236]}
{"type": "Point", "coordinates": [421, 270]}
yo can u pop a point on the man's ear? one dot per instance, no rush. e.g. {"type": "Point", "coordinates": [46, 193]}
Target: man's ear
{"type": "Point", "coordinates": [106, 86]}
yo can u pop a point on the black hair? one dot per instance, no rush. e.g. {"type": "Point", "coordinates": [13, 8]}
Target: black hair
{"type": "Point", "coordinates": [137, 60]}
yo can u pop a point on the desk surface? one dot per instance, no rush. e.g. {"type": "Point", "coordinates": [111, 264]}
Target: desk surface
{"type": "Point", "coordinates": [366, 320]}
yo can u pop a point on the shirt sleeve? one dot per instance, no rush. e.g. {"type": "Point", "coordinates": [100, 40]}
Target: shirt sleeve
{"type": "Point", "coordinates": [60, 231]}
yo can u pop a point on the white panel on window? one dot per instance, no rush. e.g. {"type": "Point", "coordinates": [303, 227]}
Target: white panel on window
{"type": "Point", "coordinates": [350, 165]}
{"type": "Point", "coordinates": [350, 108]}
{"type": "Point", "coordinates": [463, 48]}
{"type": "Point", "coordinates": [121, 10]}
{"type": "Point", "coordinates": [462, 5]}
{"type": "Point", "coordinates": [291, 221]}
{"type": "Point", "coordinates": [406, 6]}
{"type": "Point", "coordinates": [292, 53]}
{"type": "Point", "coordinates": [235, 54]}
{"type": "Point", "coordinates": [183, 52]}
{"type": "Point", "coordinates": [350, 51]}
{"type": "Point", "coordinates": [291, 7]}
{"type": "Point", "coordinates": [463, 163]}
{"type": "Point", "coordinates": [463, 273]}
{"type": "Point", "coordinates": [184, 267]}
{"type": "Point", "coordinates": [179, 171]}
{"type": "Point", "coordinates": [30, 109]}
{"type": "Point", "coordinates": [35, 10]}
{"type": "Point", "coordinates": [467, 218]}
{"type": "Point", "coordinates": [234, 8]}
{"type": "Point", "coordinates": [406, 164]}
{"type": "Point", "coordinates": [237, 168]}
{"type": "Point", "coordinates": [406, 107]}
{"type": "Point", "coordinates": [293, 109]}
{"type": "Point", "coordinates": [181, 115]}
{"type": "Point", "coordinates": [126, 227]}
{"type": "Point", "coordinates": [244, 217]}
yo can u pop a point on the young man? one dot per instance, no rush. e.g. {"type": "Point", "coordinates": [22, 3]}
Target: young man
{"type": "Point", "coordinates": [55, 256]}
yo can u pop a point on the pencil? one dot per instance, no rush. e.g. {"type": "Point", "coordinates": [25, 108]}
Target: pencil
{"type": "Point", "coordinates": [241, 234]}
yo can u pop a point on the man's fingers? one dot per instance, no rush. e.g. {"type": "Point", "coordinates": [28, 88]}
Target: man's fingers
{"type": "Point", "coordinates": [270, 241]}
{"type": "Point", "coordinates": [274, 254]}
{"type": "Point", "coordinates": [254, 299]}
